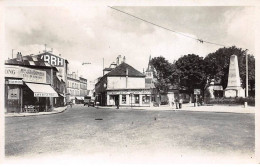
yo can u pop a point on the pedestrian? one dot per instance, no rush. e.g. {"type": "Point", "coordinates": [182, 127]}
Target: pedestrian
{"type": "Point", "coordinates": [180, 103]}
{"type": "Point", "coordinates": [117, 104]}
{"type": "Point", "coordinates": [176, 102]}
{"type": "Point", "coordinates": [70, 104]}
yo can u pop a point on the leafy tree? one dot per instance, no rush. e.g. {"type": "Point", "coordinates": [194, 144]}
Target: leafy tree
{"type": "Point", "coordinates": [165, 73]}
{"type": "Point", "coordinates": [192, 72]}
{"type": "Point", "coordinates": [218, 65]}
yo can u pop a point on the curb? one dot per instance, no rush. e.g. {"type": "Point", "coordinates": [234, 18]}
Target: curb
{"type": "Point", "coordinates": [185, 109]}
{"type": "Point", "coordinates": [37, 114]}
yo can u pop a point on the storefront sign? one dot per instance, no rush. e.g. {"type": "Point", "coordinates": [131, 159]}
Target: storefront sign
{"type": "Point", "coordinates": [45, 94]}
{"type": "Point", "coordinates": [129, 92]}
{"type": "Point", "coordinates": [27, 74]}
{"type": "Point", "coordinates": [53, 60]}
{"type": "Point", "coordinates": [12, 71]}
{"type": "Point", "coordinates": [15, 82]}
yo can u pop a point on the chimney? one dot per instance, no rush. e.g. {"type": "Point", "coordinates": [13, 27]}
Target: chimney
{"type": "Point", "coordinates": [124, 59]}
{"type": "Point", "coordinates": [19, 56]}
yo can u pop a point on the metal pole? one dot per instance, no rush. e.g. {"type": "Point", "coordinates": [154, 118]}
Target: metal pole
{"type": "Point", "coordinates": [246, 75]}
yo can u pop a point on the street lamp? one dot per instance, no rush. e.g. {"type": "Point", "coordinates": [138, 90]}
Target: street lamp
{"type": "Point", "coordinates": [245, 103]}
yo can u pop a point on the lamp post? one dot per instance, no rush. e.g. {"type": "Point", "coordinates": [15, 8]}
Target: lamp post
{"type": "Point", "coordinates": [245, 103]}
{"type": "Point", "coordinates": [246, 75]}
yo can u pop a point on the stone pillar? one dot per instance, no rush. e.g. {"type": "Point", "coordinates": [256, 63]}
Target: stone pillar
{"type": "Point", "coordinates": [108, 100]}
{"type": "Point", "coordinates": [120, 99]}
{"type": "Point", "coordinates": [234, 88]}
{"type": "Point", "coordinates": [140, 100]}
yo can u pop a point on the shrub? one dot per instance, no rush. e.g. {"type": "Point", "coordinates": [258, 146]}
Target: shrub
{"type": "Point", "coordinates": [237, 100]}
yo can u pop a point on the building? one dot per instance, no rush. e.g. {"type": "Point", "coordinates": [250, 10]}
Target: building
{"type": "Point", "coordinates": [123, 85]}
{"type": "Point", "coordinates": [83, 88]}
{"type": "Point", "coordinates": [76, 88]}
{"type": "Point", "coordinates": [29, 84]}
{"type": "Point", "coordinates": [61, 65]}
{"type": "Point", "coordinates": [160, 97]}
{"type": "Point", "coordinates": [59, 86]}
{"type": "Point", "coordinates": [73, 87]}
{"type": "Point", "coordinates": [150, 82]}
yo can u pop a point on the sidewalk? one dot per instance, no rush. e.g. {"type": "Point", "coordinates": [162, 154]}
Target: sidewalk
{"type": "Point", "coordinates": [190, 107]}
{"type": "Point", "coordinates": [54, 111]}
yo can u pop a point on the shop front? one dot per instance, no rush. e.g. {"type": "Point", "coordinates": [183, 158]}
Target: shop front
{"type": "Point", "coordinates": [129, 97]}
{"type": "Point", "coordinates": [27, 90]}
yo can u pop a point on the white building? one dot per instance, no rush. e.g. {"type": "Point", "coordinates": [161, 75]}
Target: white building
{"type": "Point", "coordinates": [124, 85]}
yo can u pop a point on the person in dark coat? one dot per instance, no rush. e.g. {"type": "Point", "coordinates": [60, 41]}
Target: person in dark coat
{"type": "Point", "coordinates": [117, 104]}
{"type": "Point", "coordinates": [180, 103]}
{"type": "Point", "coordinates": [177, 103]}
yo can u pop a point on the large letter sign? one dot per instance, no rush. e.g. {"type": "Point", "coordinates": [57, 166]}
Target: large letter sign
{"type": "Point", "coordinates": [53, 60]}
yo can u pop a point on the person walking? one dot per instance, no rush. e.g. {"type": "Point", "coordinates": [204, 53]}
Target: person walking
{"type": "Point", "coordinates": [180, 103]}
{"type": "Point", "coordinates": [176, 102]}
{"type": "Point", "coordinates": [117, 104]}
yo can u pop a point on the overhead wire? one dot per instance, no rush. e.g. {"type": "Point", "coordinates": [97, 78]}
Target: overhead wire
{"type": "Point", "coordinates": [200, 40]}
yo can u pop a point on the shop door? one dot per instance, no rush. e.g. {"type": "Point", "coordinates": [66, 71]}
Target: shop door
{"type": "Point", "coordinates": [116, 100]}
{"type": "Point", "coordinates": [13, 99]}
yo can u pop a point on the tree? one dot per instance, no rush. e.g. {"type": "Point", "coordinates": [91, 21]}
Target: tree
{"type": "Point", "coordinates": [218, 63]}
{"type": "Point", "coordinates": [165, 73]}
{"type": "Point", "coordinates": [192, 72]}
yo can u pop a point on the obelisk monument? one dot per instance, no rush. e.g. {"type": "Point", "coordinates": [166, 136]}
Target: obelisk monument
{"type": "Point", "coordinates": [234, 88]}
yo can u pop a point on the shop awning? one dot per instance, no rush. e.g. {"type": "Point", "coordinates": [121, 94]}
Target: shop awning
{"type": "Point", "coordinates": [42, 90]}
{"type": "Point", "coordinates": [80, 98]}
{"type": "Point", "coordinates": [217, 87]}
{"type": "Point", "coordinates": [62, 95]}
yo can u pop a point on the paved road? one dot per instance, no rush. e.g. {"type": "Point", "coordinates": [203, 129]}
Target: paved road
{"type": "Point", "coordinates": [133, 134]}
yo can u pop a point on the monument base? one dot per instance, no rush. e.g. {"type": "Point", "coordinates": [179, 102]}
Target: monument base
{"type": "Point", "coordinates": [234, 92]}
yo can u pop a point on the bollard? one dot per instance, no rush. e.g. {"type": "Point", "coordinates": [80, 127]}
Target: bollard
{"type": "Point", "coordinates": [245, 104]}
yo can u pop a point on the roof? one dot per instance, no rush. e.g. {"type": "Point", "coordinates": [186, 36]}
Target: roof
{"type": "Point", "coordinates": [31, 61]}
{"type": "Point", "coordinates": [108, 69]}
{"type": "Point", "coordinates": [121, 71]}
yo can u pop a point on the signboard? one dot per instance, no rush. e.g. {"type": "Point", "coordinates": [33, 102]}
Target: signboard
{"type": "Point", "coordinates": [27, 74]}
{"type": "Point", "coordinates": [15, 82]}
{"type": "Point", "coordinates": [53, 60]}
{"type": "Point", "coordinates": [12, 71]}
{"type": "Point", "coordinates": [13, 94]}
{"type": "Point", "coordinates": [45, 94]}
{"type": "Point", "coordinates": [196, 91]}
{"type": "Point", "coordinates": [129, 92]}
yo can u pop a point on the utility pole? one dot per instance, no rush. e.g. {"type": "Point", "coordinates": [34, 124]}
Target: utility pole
{"type": "Point", "coordinates": [103, 66]}
{"type": "Point", "coordinates": [12, 53]}
{"type": "Point", "coordinates": [246, 75]}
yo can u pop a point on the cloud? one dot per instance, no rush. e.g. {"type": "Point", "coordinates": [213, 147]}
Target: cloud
{"type": "Point", "coordinates": [91, 33]}
{"type": "Point", "coordinates": [241, 28]}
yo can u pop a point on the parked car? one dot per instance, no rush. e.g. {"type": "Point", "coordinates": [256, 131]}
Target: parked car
{"type": "Point", "coordinates": [91, 103]}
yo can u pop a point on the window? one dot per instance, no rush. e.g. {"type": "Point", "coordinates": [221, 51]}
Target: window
{"type": "Point", "coordinates": [146, 99]}
{"type": "Point", "coordinates": [136, 98]}
{"type": "Point", "coordinates": [123, 99]}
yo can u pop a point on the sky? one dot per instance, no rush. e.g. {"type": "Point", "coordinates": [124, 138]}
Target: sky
{"type": "Point", "coordinates": [90, 33]}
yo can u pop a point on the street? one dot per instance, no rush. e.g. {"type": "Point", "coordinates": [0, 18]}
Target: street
{"type": "Point", "coordinates": [88, 131]}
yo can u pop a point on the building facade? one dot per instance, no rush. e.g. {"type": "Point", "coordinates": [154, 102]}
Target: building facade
{"type": "Point", "coordinates": [29, 84]}
{"type": "Point", "coordinates": [61, 65]}
{"type": "Point", "coordinates": [123, 85]}
{"type": "Point", "coordinates": [76, 88]}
